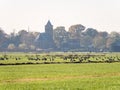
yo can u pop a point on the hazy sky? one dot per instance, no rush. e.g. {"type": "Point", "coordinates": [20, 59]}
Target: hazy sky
{"type": "Point", "coordinates": [103, 15]}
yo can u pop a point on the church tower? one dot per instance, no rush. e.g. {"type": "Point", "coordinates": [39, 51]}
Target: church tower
{"type": "Point", "coordinates": [49, 29]}
{"type": "Point", "coordinates": [45, 40]}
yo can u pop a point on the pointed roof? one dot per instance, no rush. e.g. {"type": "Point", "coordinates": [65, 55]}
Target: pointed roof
{"type": "Point", "coordinates": [48, 23]}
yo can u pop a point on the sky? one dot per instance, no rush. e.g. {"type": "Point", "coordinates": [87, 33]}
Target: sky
{"type": "Point", "coordinates": [103, 15]}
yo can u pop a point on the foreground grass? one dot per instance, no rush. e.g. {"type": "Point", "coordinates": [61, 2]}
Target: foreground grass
{"type": "Point", "coordinates": [103, 76]}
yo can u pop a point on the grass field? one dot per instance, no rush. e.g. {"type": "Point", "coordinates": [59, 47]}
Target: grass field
{"type": "Point", "coordinates": [88, 76]}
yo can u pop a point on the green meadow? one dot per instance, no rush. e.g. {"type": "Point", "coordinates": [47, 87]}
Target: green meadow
{"type": "Point", "coordinates": [82, 76]}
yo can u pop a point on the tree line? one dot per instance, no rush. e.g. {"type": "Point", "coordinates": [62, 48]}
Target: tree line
{"type": "Point", "coordinates": [77, 38]}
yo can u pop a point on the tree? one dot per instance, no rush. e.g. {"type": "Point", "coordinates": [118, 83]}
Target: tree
{"type": "Point", "coordinates": [75, 31]}
{"type": "Point", "coordinates": [99, 42]}
{"type": "Point", "coordinates": [27, 38]}
{"type": "Point", "coordinates": [86, 41]}
{"type": "Point", "coordinates": [60, 36]}
{"type": "Point", "coordinates": [109, 42]}
{"type": "Point", "coordinates": [112, 40]}
{"type": "Point", "coordinates": [114, 35]}
{"type": "Point", "coordinates": [91, 32]}
{"type": "Point", "coordinates": [14, 39]}
{"type": "Point", "coordinates": [3, 39]}
{"type": "Point", "coordinates": [76, 28]}
{"type": "Point", "coordinates": [115, 46]}
{"type": "Point", "coordinates": [22, 36]}
{"type": "Point", "coordinates": [103, 34]}
{"type": "Point", "coordinates": [22, 32]}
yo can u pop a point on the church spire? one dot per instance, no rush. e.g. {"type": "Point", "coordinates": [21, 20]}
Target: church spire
{"type": "Point", "coordinates": [48, 23]}
{"type": "Point", "coordinates": [49, 29]}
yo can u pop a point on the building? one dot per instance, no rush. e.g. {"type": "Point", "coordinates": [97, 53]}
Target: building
{"type": "Point", "coordinates": [45, 40]}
